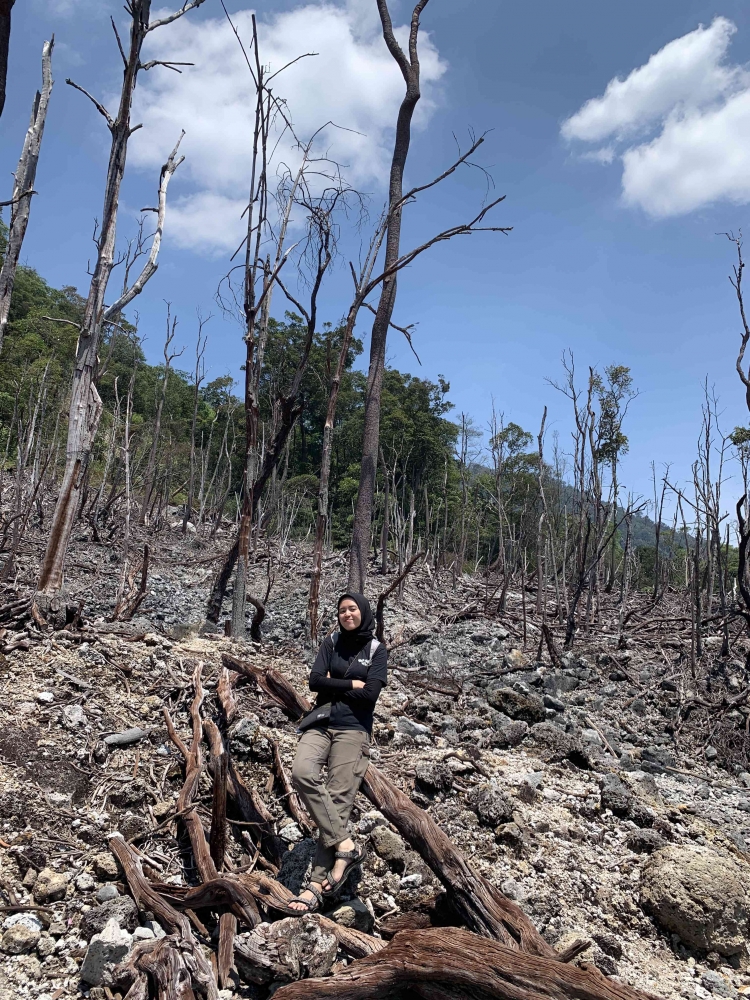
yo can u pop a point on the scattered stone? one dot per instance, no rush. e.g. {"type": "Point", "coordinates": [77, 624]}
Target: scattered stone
{"type": "Point", "coordinates": [73, 716]}
{"type": "Point", "coordinates": [549, 701]}
{"type": "Point", "coordinates": [370, 820]}
{"type": "Point", "coordinates": [291, 833]}
{"type": "Point", "coordinates": [433, 777]}
{"type": "Point", "coordinates": [615, 795]}
{"type": "Point", "coordinates": [698, 895]}
{"type": "Point", "coordinates": [409, 728]}
{"type": "Point", "coordinates": [523, 707]}
{"type": "Point", "coordinates": [645, 841]}
{"type": "Point", "coordinates": [389, 846]}
{"type": "Point", "coordinates": [106, 949]}
{"type": "Point", "coordinates": [85, 882]}
{"type": "Point", "coordinates": [556, 745]}
{"type": "Point", "coordinates": [19, 940]}
{"type": "Point", "coordinates": [107, 892]}
{"type": "Point", "coordinates": [45, 697]}
{"type": "Point", "coordinates": [715, 983]}
{"type": "Point", "coordinates": [354, 914]}
{"type": "Point", "coordinates": [412, 881]}
{"type": "Point", "coordinates": [516, 659]}
{"type": "Point", "coordinates": [122, 910]}
{"type": "Point", "coordinates": [105, 866]}
{"type": "Point", "coordinates": [126, 738]}
{"type": "Point", "coordinates": [50, 886]}
{"type": "Point", "coordinates": [491, 805]}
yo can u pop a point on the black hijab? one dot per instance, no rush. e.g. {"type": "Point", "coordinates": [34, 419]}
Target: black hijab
{"type": "Point", "coordinates": [366, 629]}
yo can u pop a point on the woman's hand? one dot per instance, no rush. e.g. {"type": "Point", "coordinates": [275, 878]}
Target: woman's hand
{"type": "Point", "coordinates": [356, 685]}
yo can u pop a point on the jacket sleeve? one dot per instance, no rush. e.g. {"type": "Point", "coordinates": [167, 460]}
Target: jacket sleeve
{"type": "Point", "coordinates": [319, 681]}
{"type": "Point", "coordinates": [376, 679]}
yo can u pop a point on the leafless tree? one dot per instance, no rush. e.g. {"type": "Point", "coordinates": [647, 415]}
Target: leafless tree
{"type": "Point", "coordinates": [23, 186]}
{"type": "Point", "coordinates": [5, 8]}
{"type": "Point", "coordinates": [198, 377]}
{"type": "Point", "coordinates": [150, 475]}
{"type": "Point", "coordinates": [85, 404]}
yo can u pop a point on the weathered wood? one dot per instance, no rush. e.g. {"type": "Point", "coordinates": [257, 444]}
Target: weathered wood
{"type": "Point", "coordinates": [225, 954]}
{"type": "Point", "coordinates": [218, 767]}
{"type": "Point", "coordinates": [296, 808]}
{"type": "Point", "coordinates": [482, 906]}
{"type": "Point", "coordinates": [446, 963]}
{"type": "Point", "coordinates": [225, 690]}
{"type": "Point", "coordinates": [274, 684]}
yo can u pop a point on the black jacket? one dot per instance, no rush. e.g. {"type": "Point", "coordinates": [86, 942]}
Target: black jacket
{"type": "Point", "coordinates": [334, 670]}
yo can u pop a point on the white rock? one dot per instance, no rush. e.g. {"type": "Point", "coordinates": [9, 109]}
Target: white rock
{"type": "Point", "coordinates": [73, 716]}
{"type": "Point", "coordinates": [410, 728]}
{"type": "Point", "coordinates": [85, 882]}
{"type": "Point", "coordinates": [105, 950]}
{"type": "Point", "coordinates": [370, 820]}
{"type": "Point", "coordinates": [411, 881]}
{"type": "Point", "coordinates": [143, 934]}
{"type": "Point", "coordinates": [29, 920]}
{"type": "Point", "coordinates": [291, 833]}
{"type": "Point", "coordinates": [45, 697]}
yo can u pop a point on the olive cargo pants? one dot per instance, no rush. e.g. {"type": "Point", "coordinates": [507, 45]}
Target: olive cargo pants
{"type": "Point", "coordinates": [329, 801]}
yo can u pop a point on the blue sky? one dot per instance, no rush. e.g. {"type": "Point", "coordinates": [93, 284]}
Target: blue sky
{"type": "Point", "coordinates": [614, 251]}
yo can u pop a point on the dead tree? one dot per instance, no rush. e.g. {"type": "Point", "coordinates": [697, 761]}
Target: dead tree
{"type": "Point", "coordinates": [200, 374]}
{"type": "Point", "coordinates": [150, 476]}
{"type": "Point", "coordinates": [5, 9]}
{"type": "Point", "coordinates": [23, 185]}
{"type": "Point", "coordinates": [85, 404]}
{"type": "Point", "coordinates": [409, 66]}
{"type": "Point", "coordinates": [449, 963]}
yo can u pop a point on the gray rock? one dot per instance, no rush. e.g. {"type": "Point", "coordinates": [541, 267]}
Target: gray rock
{"type": "Point", "coordinates": [354, 913]}
{"type": "Point", "coordinates": [718, 985]}
{"type": "Point", "coordinates": [105, 950]}
{"type": "Point", "coordinates": [510, 734]}
{"type": "Point", "coordinates": [557, 745]}
{"type": "Point", "coordinates": [291, 833]}
{"type": "Point", "coordinates": [409, 728]}
{"type": "Point", "coordinates": [413, 881]}
{"type": "Point", "coordinates": [550, 701]}
{"type": "Point", "coordinates": [390, 847]}
{"type": "Point", "coordinates": [491, 805]}
{"type": "Point", "coordinates": [522, 707]}
{"type": "Point", "coordinates": [105, 866]}
{"type": "Point", "coordinates": [19, 940]}
{"type": "Point", "coordinates": [106, 893]}
{"type": "Point", "coordinates": [615, 795]}
{"type": "Point", "coordinates": [645, 841]}
{"type": "Point", "coordinates": [370, 820]}
{"type": "Point", "coordinates": [50, 886]}
{"type": "Point", "coordinates": [710, 753]}
{"type": "Point", "coordinates": [73, 716]}
{"type": "Point", "coordinates": [126, 738]}
{"type": "Point", "coordinates": [698, 895]}
{"type": "Point", "coordinates": [434, 777]}
{"type": "Point", "coordinates": [122, 910]}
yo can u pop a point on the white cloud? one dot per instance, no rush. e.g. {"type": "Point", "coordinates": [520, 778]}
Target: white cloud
{"type": "Point", "coordinates": [353, 82]}
{"type": "Point", "coordinates": [677, 124]}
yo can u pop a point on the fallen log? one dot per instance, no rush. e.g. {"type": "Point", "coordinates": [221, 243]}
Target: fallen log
{"type": "Point", "coordinates": [446, 963]}
{"type": "Point", "coordinates": [479, 903]}
{"type": "Point", "coordinates": [273, 683]}
{"type": "Point", "coordinates": [296, 808]}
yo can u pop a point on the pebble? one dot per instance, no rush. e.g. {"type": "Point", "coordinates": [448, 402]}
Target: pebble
{"type": "Point", "coordinates": [45, 697]}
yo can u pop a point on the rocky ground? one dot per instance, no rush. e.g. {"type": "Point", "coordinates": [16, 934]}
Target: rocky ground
{"type": "Point", "coordinates": [575, 788]}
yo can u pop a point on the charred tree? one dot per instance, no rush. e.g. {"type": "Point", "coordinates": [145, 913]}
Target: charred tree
{"type": "Point", "coordinates": [23, 186]}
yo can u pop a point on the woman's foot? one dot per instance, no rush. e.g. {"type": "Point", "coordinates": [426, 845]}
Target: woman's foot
{"type": "Point", "coordinates": [338, 868]}
{"type": "Point", "coordinates": [306, 895]}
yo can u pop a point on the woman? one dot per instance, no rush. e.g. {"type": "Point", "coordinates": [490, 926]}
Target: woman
{"type": "Point", "coordinates": [348, 674]}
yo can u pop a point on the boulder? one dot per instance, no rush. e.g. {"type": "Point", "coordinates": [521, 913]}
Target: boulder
{"type": "Point", "coordinates": [699, 896]}
{"type": "Point", "coordinates": [556, 745]}
{"type": "Point", "coordinates": [354, 914]}
{"type": "Point", "coordinates": [615, 795]}
{"type": "Point", "coordinates": [19, 939]}
{"type": "Point", "coordinates": [523, 707]}
{"type": "Point", "coordinates": [50, 886]}
{"type": "Point", "coordinates": [389, 846]}
{"type": "Point", "coordinates": [121, 909]}
{"type": "Point", "coordinates": [492, 806]}
{"type": "Point", "coordinates": [434, 777]}
{"type": "Point", "coordinates": [106, 950]}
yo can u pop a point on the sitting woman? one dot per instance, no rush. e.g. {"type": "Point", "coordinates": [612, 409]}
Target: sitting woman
{"type": "Point", "coordinates": [348, 674]}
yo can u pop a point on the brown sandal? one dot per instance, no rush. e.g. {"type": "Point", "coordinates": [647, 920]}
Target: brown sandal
{"type": "Point", "coordinates": [352, 858]}
{"type": "Point", "coordinates": [313, 905]}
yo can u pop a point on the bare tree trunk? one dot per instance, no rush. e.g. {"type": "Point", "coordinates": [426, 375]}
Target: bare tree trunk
{"type": "Point", "coordinates": [150, 476]}
{"type": "Point", "coordinates": [200, 349]}
{"type": "Point", "coordinates": [5, 9]}
{"type": "Point", "coordinates": [23, 186]}
{"type": "Point", "coordinates": [85, 404]}
{"type": "Point", "coordinates": [363, 511]}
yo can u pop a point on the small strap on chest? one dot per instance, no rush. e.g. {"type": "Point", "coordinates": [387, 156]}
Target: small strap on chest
{"type": "Point", "coordinates": [374, 644]}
